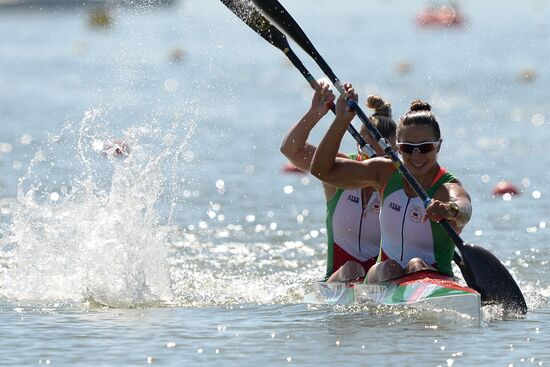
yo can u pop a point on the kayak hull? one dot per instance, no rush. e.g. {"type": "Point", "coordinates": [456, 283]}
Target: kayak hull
{"type": "Point", "coordinates": [423, 290]}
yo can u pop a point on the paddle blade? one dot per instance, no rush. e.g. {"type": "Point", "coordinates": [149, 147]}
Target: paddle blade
{"type": "Point", "coordinates": [491, 279]}
{"type": "Point", "coordinates": [260, 24]}
{"type": "Point", "coordinates": [278, 14]}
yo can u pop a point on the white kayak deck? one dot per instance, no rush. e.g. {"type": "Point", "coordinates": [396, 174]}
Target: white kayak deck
{"type": "Point", "coordinates": [423, 290]}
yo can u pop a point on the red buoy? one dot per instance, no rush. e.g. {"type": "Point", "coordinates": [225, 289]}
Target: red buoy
{"type": "Point", "coordinates": [446, 15]}
{"type": "Point", "coordinates": [505, 187]}
{"type": "Point", "coordinates": [290, 168]}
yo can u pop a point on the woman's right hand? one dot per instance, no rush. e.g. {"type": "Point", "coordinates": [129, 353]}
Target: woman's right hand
{"type": "Point", "coordinates": [343, 112]}
{"type": "Point", "coordinates": [323, 99]}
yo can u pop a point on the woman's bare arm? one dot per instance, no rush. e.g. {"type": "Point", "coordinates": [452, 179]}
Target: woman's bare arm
{"type": "Point", "coordinates": [453, 203]}
{"type": "Point", "coordinates": [295, 145]}
{"type": "Point", "coordinates": [346, 173]}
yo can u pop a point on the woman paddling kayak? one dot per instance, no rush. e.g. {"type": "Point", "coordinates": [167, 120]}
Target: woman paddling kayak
{"type": "Point", "coordinates": [352, 215]}
{"type": "Point", "coordinates": [411, 238]}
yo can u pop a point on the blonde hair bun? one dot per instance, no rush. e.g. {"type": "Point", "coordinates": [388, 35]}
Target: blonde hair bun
{"type": "Point", "coordinates": [380, 107]}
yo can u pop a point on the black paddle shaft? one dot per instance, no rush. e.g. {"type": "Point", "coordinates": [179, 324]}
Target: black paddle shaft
{"type": "Point", "coordinates": [261, 25]}
{"type": "Point", "coordinates": [481, 269]}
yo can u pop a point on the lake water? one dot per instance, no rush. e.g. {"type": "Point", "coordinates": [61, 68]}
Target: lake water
{"type": "Point", "coordinates": [200, 243]}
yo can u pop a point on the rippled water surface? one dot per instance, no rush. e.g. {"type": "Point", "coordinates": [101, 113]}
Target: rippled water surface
{"type": "Point", "coordinates": [196, 247]}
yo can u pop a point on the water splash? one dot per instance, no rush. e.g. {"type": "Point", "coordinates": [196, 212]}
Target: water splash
{"type": "Point", "coordinates": [87, 224]}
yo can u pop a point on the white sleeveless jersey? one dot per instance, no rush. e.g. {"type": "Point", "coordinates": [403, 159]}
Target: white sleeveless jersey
{"type": "Point", "coordinates": [356, 227]}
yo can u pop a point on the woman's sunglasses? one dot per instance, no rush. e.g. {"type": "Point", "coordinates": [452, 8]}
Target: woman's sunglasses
{"type": "Point", "coordinates": [422, 148]}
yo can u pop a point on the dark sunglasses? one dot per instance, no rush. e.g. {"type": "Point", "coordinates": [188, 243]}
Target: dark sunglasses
{"type": "Point", "coordinates": [421, 148]}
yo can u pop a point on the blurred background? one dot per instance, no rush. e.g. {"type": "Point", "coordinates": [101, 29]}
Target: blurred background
{"type": "Point", "coordinates": [140, 168]}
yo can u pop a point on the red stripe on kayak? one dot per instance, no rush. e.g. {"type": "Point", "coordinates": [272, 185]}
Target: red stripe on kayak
{"type": "Point", "coordinates": [432, 278]}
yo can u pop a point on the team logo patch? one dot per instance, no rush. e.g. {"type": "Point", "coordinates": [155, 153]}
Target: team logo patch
{"type": "Point", "coordinates": [416, 213]}
{"type": "Point", "coordinates": [395, 207]}
{"type": "Point", "coordinates": [375, 207]}
{"type": "Point", "coordinates": [353, 199]}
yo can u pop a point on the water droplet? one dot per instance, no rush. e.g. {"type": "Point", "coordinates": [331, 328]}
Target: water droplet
{"type": "Point", "coordinates": [25, 139]}
{"type": "Point", "coordinates": [188, 156]}
{"type": "Point", "coordinates": [97, 145]}
{"type": "Point", "coordinates": [288, 189]}
{"type": "Point", "coordinates": [171, 85]}
{"type": "Point", "coordinates": [536, 194]}
{"type": "Point", "coordinates": [5, 147]}
{"type": "Point", "coordinates": [170, 345]}
{"type": "Point", "coordinates": [537, 119]}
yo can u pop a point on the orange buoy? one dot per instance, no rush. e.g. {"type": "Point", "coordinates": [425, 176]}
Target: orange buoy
{"type": "Point", "coordinates": [505, 187]}
{"type": "Point", "coordinates": [117, 148]}
{"type": "Point", "coordinates": [527, 75]}
{"type": "Point", "coordinates": [404, 67]}
{"type": "Point", "coordinates": [290, 168]}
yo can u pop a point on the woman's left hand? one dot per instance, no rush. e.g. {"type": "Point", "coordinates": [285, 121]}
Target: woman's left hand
{"type": "Point", "coordinates": [439, 210]}
{"type": "Point", "coordinates": [343, 112]}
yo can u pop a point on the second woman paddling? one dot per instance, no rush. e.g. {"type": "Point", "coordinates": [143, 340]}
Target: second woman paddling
{"type": "Point", "coordinates": [412, 240]}
{"type": "Point", "coordinates": [353, 226]}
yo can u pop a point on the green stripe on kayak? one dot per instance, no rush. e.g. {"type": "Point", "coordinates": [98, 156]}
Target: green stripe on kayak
{"type": "Point", "coordinates": [418, 291]}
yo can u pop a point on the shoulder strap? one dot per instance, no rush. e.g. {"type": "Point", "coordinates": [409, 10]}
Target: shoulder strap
{"type": "Point", "coordinates": [394, 183]}
{"type": "Point", "coordinates": [441, 178]}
